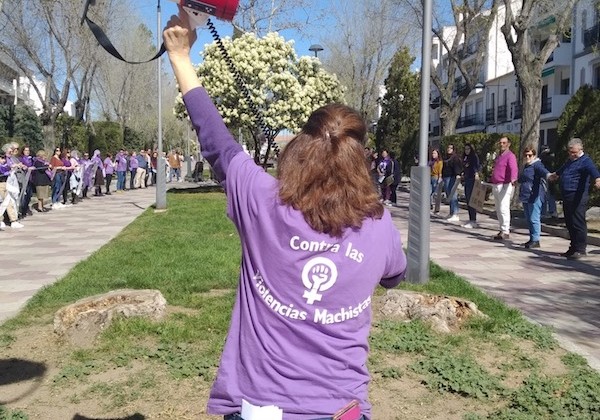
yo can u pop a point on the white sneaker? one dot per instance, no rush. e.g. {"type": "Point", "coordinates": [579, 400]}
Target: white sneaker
{"type": "Point", "coordinates": [470, 225]}
{"type": "Point", "coordinates": [2, 225]}
{"type": "Point", "coordinates": [453, 218]}
{"type": "Point", "coordinates": [16, 225]}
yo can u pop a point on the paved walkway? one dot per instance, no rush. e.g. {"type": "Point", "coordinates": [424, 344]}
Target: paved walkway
{"type": "Point", "coordinates": [51, 243]}
{"type": "Point", "coordinates": [544, 286]}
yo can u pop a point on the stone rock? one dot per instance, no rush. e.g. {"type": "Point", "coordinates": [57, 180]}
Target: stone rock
{"type": "Point", "coordinates": [444, 313]}
{"type": "Point", "coordinates": [81, 322]}
{"type": "Point", "coordinates": [593, 213]}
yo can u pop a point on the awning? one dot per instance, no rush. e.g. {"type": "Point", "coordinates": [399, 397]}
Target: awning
{"type": "Point", "coordinates": [548, 72]}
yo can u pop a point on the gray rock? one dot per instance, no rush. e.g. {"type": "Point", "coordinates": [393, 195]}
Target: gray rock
{"type": "Point", "coordinates": [81, 322]}
{"type": "Point", "coordinates": [593, 213]}
{"type": "Point", "coordinates": [443, 313]}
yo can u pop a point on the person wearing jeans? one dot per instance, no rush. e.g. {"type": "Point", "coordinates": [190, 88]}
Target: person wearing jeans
{"type": "Point", "coordinates": [504, 177]}
{"type": "Point", "coordinates": [450, 172]}
{"type": "Point", "coordinates": [133, 167]}
{"type": "Point", "coordinates": [532, 181]}
{"type": "Point", "coordinates": [121, 163]}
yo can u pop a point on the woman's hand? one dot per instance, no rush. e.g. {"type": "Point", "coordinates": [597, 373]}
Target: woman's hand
{"type": "Point", "coordinates": [179, 36]}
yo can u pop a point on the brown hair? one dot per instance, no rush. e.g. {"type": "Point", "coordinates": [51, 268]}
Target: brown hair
{"type": "Point", "coordinates": [323, 172]}
{"type": "Point", "coordinates": [529, 149]}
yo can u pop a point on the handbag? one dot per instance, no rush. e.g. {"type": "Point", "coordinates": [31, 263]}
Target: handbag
{"type": "Point", "coordinates": [389, 180]}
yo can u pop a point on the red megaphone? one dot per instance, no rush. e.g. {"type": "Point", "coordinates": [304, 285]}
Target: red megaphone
{"type": "Point", "coordinates": [221, 9]}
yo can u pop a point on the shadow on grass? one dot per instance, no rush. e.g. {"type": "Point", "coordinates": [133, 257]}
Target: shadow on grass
{"type": "Point", "coordinates": [20, 370]}
{"type": "Point", "coordinates": [198, 189]}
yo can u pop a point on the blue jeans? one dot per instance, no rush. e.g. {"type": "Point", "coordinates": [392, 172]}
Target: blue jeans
{"type": "Point", "coordinates": [120, 180]}
{"type": "Point", "coordinates": [56, 185]}
{"type": "Point", "coordinates": [453, 201]}
{"type": "Point", "coordinates": [132, 179]}
{"type": "Point", "coordinates": [434, 184]}
{"type": "Point", "coordinates": [469, 184]}
{"type": "Point", "coordinates": [174, 173]}
{"type": "Point", "coordinates": [533, 212]}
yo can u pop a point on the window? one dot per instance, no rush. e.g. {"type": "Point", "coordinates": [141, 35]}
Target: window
{"type": "Point", "coordinates": [596, 80]}
{"type": "Point", "coordinates": [565, 86]}
{"type": "Point", "coordinates": [583, 23]}
{"type": "Point", "coordinates": [582, 77]}
{"type": "Point", "coordinates": [434, 51]}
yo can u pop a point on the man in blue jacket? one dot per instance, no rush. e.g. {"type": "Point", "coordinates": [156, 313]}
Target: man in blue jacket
{"type": "Point", "coordinates": [574, 179]}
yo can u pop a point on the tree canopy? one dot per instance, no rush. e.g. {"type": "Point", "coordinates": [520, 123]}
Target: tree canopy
{"type": "Point", "coordinates": [397, 128]}
{"type": "Point", "coordinates": [285, 89]}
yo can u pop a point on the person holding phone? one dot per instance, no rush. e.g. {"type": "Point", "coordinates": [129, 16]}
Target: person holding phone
{"type": "Point", "coordinates": [316, 242]}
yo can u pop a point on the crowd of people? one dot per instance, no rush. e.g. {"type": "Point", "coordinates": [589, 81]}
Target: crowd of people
{"type": "Point", "coordinates": [68, 176]}
{"type": "Point", "coordinates": [386, 174]}
{"type": "Point", "coordinates": [537, 181]}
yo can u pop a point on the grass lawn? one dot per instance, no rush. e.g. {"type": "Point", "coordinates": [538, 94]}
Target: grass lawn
{"type": "Point", "coordinates": [500, 368]}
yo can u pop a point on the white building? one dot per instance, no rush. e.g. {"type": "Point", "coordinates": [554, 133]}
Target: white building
{"type": "Point", "coordinates": [11, 92]}
{"type": "Point", "coordinates": [16, 89]}
{"type": "Point", "coordinates": [495, 105]}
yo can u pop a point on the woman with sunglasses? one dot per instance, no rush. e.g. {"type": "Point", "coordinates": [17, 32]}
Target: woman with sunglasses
{"type": "Point", "coordinates": [533, 187]}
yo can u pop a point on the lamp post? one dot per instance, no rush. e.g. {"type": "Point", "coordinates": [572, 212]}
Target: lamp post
{"type": "Point", "coordinates": [161, 184]}
{"type": "Point", "coordinates": [315, 48]}
{"type": "Point", "coordinates": [418, 226]}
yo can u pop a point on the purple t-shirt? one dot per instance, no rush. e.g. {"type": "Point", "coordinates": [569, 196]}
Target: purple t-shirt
{"type": "Point", "coordinates": [506, 169]}
{"type": "Point", "coordinates": [301, 320]}
{"type": "Point", "coordinates": [109, 168]}
{"type": "Point", "coordinates": [133, 163]}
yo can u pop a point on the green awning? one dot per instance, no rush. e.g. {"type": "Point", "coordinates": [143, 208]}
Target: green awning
{"type": "Point", "coordinates": [548, 21]}
{"type": "Point", "coordinates": [548, 72]}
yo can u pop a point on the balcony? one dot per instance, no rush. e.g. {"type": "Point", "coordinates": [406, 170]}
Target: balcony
{"type": "Point", "coordinates": [502, 114]}
{"type": "Point", "coordinates": [469, 121]}
{"type": "Point", "coordinates": [591, 36]}
{"type": "Point", "coordinates": [459, 87]}
{"type": "Point", "coordinates": [489, 116]}
{"type": "Point", "coordinates": [517, 110]}
{"type": "Point", "coordinates": [546, 106]}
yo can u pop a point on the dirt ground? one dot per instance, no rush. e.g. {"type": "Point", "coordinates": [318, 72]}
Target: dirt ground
{"type": "Point", "coordinates": [33, 379]}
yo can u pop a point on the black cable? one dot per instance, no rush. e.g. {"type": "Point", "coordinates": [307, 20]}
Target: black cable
{"type": "Point", "coordinates": [260, 121]}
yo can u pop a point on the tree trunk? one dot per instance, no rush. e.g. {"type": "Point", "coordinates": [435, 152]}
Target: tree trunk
{"type": "Point", "coordinates": [531, 88]}
{"type": "Point", "coordinates": [49, 136]}
{"type": "Point", "coordinates": [449, 116]}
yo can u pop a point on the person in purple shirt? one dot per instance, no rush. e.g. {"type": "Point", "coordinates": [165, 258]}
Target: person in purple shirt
{"type": "Point", "coordinates": [133, 167]}
{"type": "Point", "coordinates": [316, 242]}
{"type": "Point", "coordinates": [27, 161]}
{"type": "Point", "coordinates": [109, 170]}
{"type": "Point", "coordinates": [6, 199]}
{"type": "Point", "coordinates": [574, 179]}
{"type": "Point", "coordinates": [98, 170]}
{"type": "Point", "coordinates": [504, 177]}
{"type": "Point", "coordinates": [121, 161]}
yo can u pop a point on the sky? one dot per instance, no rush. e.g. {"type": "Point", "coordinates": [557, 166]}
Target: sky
{"type": "Point", "coordinates": [148, 12]}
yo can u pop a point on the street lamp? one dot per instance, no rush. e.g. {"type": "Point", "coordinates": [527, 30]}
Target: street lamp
{"type": "Point", "coordinates": [315, 48]}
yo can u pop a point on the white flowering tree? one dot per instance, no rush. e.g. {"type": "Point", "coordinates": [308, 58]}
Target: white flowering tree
{"type": "Point", "coordinates": [283, 88]}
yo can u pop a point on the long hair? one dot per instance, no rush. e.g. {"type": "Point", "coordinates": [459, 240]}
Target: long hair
{"type": "Point", "coordinates": [323, 172]}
